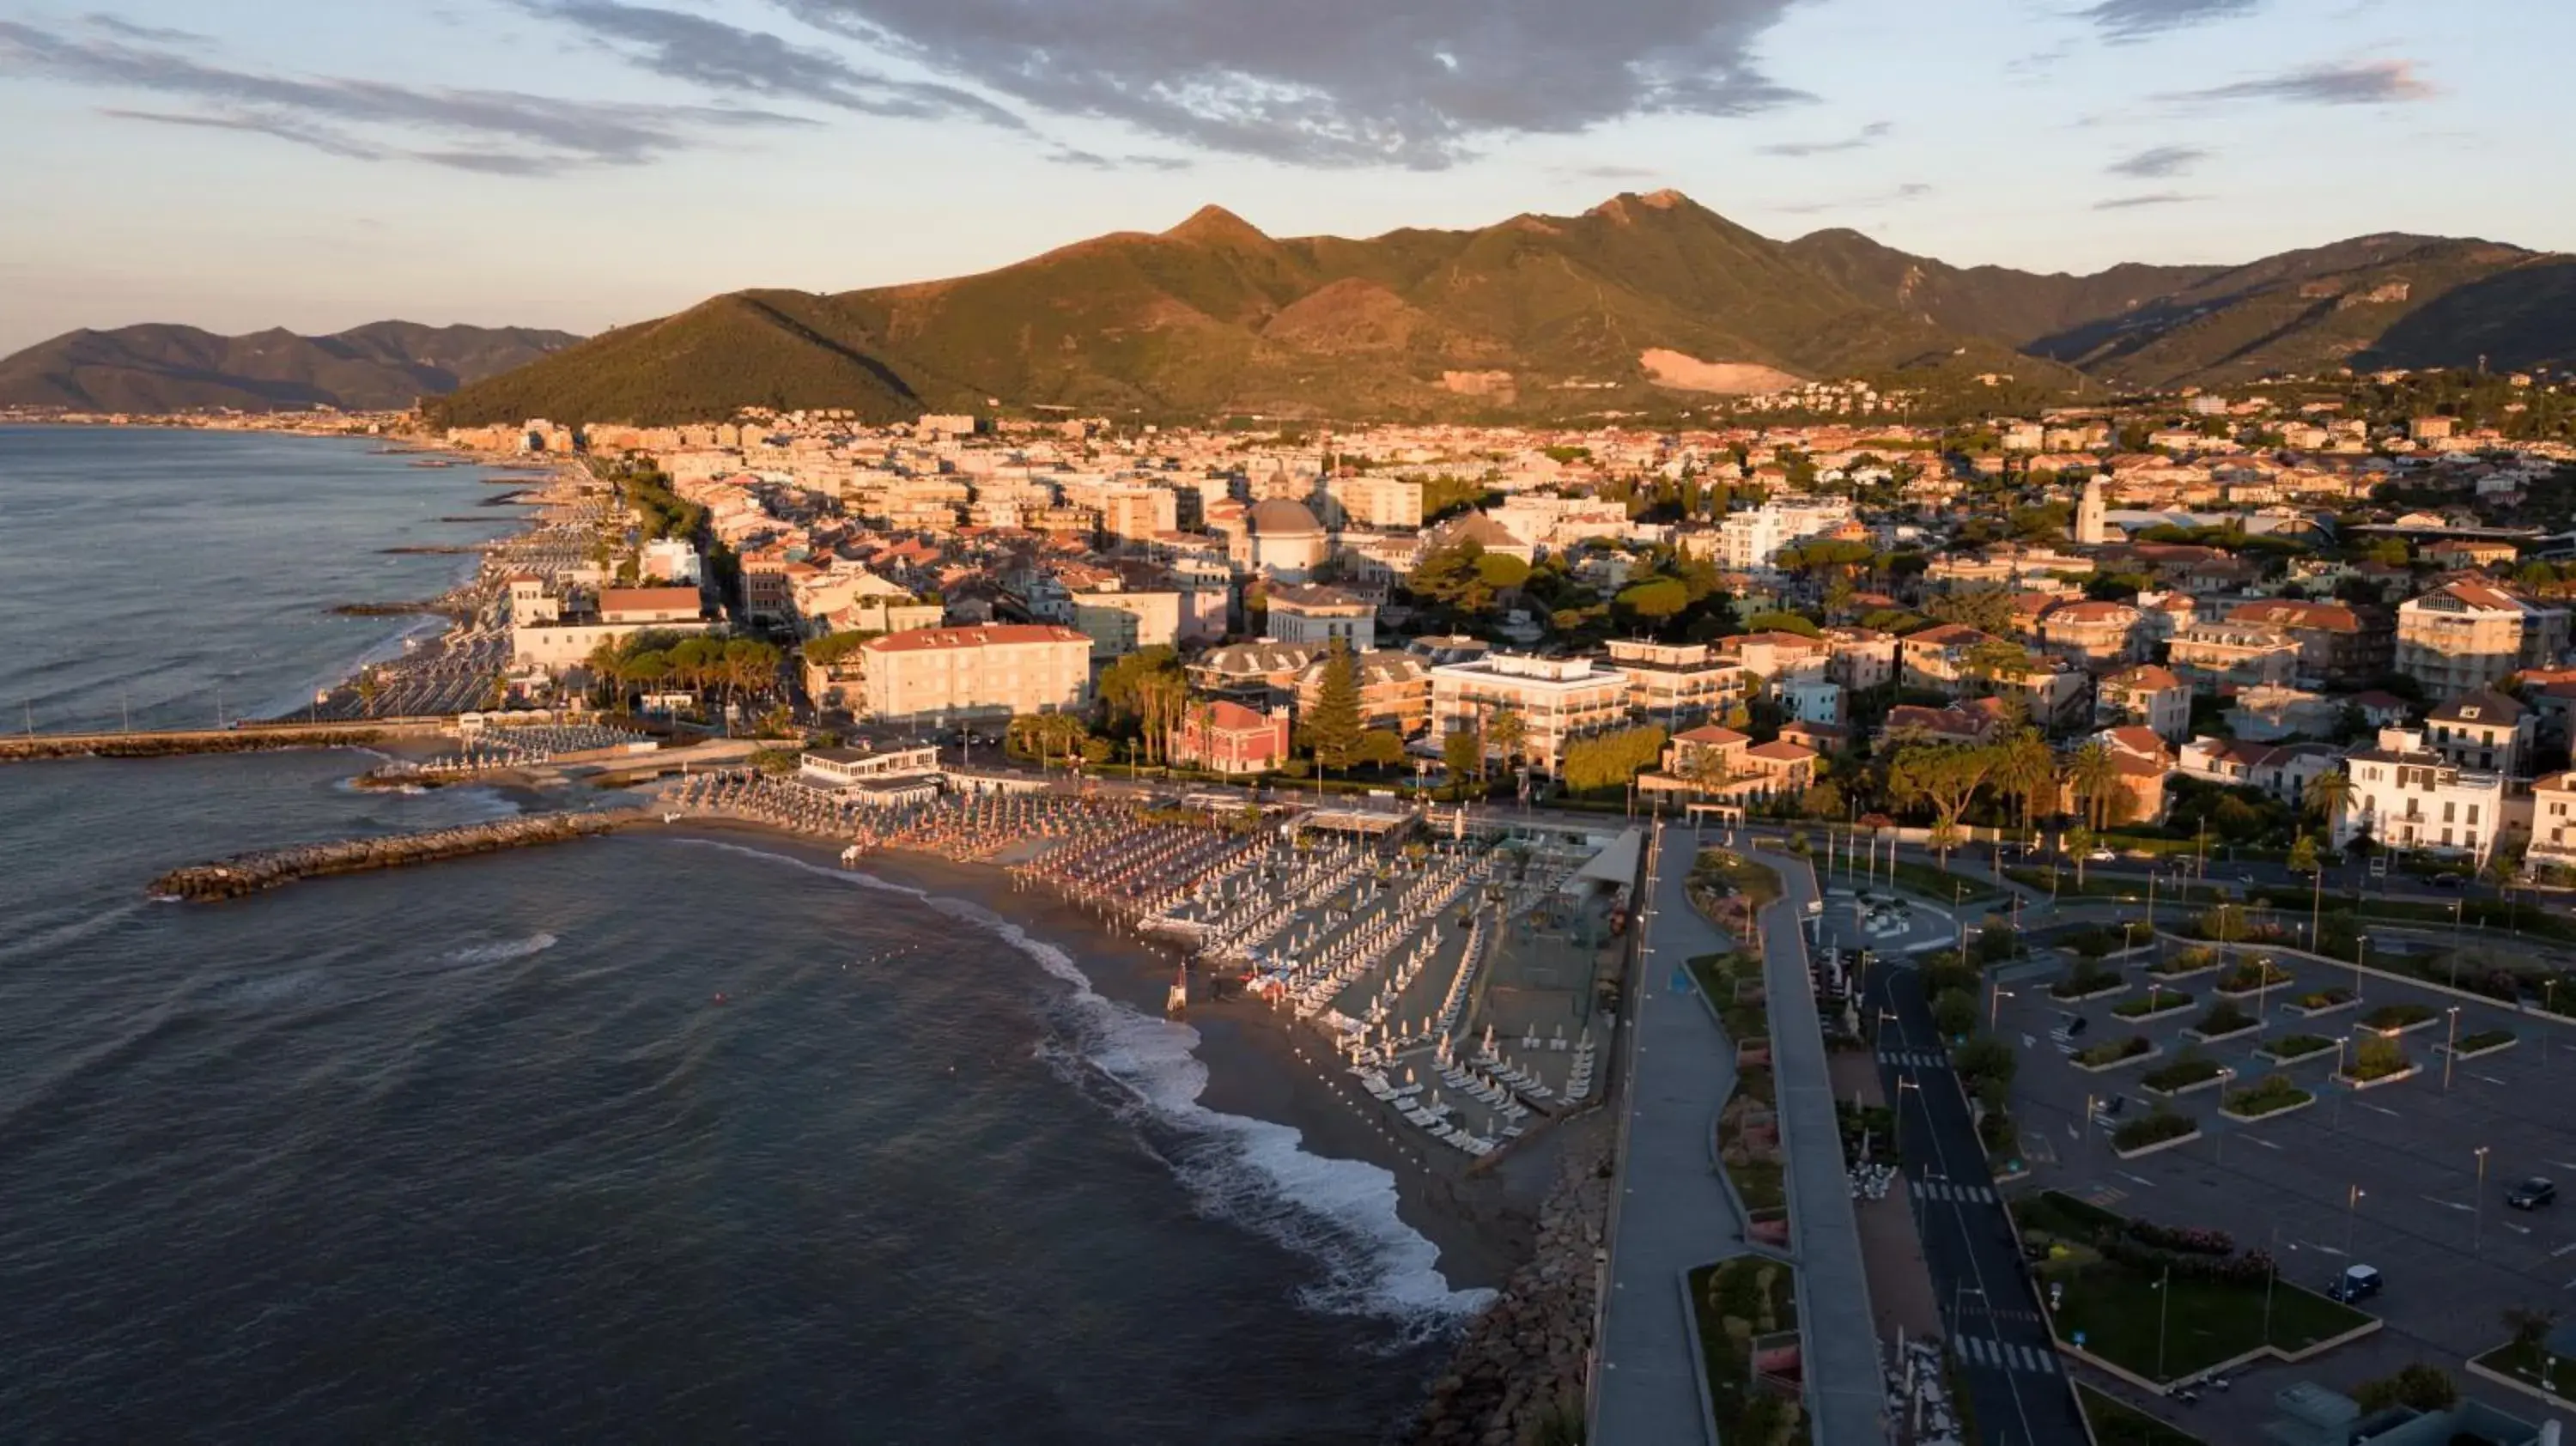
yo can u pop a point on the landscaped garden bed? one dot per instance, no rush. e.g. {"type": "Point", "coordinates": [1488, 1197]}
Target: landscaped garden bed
{"type": "Point", "coordinates": [2112, 1266]}
{"type": "Point", "coordinates": [2323, 1001]}
{"type": "Point", "coordinates": [2485, 1041]}
{"type": "Point", "coordinates": [2291, 1048]}
{"type": "Point", "coordinates": [2245, 981]}
{"type": "Point", "coordinates": [2114, 1053]}
{"type": "Point", "coordinates": [2223, 1021]}
{"type": "Point", "coordinates": [2087, 981]}
{"type": "Point", "coordinates": [2158, 1129]}
{"type": "Point", "coordinates": [2154, 1004]}
{"type": "Point", "coordinates": [2184, 963]}
{"type": "Point", "coordinates": [2400, 1018]}
{"type": "Point", "coordinates": [2530, 1363]}
{"type": "Point", "coordinates": [2271, 1095]}
{"type": "Point", "coordinates": [2189, 1071]}
{"type": "Point", "coordinates": [2117, 1423]}
{"type": "Point", "coordinates": [2376, 1061]}
{"type": "Point", "coordinates": [1746, 1310]}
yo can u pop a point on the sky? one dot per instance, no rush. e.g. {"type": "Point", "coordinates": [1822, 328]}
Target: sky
{"type": "Point", "coordinates": [316, 164]}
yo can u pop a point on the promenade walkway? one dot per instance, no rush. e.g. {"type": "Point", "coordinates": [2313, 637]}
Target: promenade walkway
{"type": "Point", "coordinates": [1672, 1214]}
{"type": "Point", "coordinates": [1846, 1388]}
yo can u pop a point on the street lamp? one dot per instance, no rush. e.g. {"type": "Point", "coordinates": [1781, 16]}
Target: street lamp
{"type": "Point", "coordinates": [2351, 1214]}
{"type": "Point", "coordinates": [2164, 1314]}
{"type": "Point", "coordinates": [1904, 1082]}
{"type": "Point", "coordinates": [2478, 1226]}
{"type": "Point", "coordinates": [1995, 997]}
{"type": "Point", "coordinates": [2451, 1050]}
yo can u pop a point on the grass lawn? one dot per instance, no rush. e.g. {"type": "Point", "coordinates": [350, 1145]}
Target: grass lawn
{"type": "Point", "coordinates": [2117, 1423]}
{"type": "Point", "coordinates": [1718, 975]}
{"type": "Point", "coordinates": [1938, 886]}
{"type": "Point", "coordinates": [2061, 881]}
{"type": "Point", "coordinates": [2523, 1363]}
{"type": "Point", "coordinates": [1735, 1302]}
{"type": "Point", "coordinates": [2120, 1311]}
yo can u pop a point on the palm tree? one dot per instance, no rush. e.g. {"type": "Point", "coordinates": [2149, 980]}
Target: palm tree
{"type": "Point", "coordinates": [2025, 771]}
{"type": "Point", "coordinates": [1506, 731]}
{"type": "Point", "coordinates": [2329, 794]}
{"type": "Point", "coordinates": [2095, 775]}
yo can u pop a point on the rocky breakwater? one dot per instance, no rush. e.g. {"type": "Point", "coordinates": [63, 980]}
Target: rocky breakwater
{"type": "Point", "coordinates": [28, 747]}
{"type": "Point", "coordinates": [253, 872]}
{"type": "Point", "coordinates": [1519, 1375]}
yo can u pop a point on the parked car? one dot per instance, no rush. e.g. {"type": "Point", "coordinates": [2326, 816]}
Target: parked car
{"type": "Point", "coordinates": [2531, 1194]}
{"type": "Point", "coordinates": [2450, 881]}
{"type": "Point", "coordinates": [2101, 856]}
{"type": "Point", "coordinates": [2357, 1283]}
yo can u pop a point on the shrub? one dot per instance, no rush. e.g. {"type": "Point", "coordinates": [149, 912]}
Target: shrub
{"type": "Point", "coordinates": [2184, 961]}
{"type": "Point", "coordinates": [2485, 1039]}
{"type": "Point", "coordinates": [2422, 1387]}
{"type": "Point", "coordinates": [2154, 1001]}
{"type": "Point", "coordinates": [2299, 1046]}
{"type": "Point", "coordinates": [2376, 1058]}
{"type": "Point", "coordinates": [1954, 1012]}
{"type": "Point", "coordinates": [2323, 998]}
{"type": "Point", "coordinates": [2397, 1016]}
{"type": "Point", "coordinates": [2246, 978]}
{"type": "Point", "coordinates": [2188, 1068]}
{"type": "Point", "coordinates": [2085, 978]}
{"type": "Point", "coordinates": [2191, 1239]}
{"type": "Point", "coordinates": [1984, 1058]}
{"type": "Point", "coordinates": [2114, 1051]}
{"type": "Point", "coordinates": [2268, 1095]}
{"type": "Point", "coordinates": [2156, 1125]}
{"type": "Point", "coordinates": [2224, 1017]}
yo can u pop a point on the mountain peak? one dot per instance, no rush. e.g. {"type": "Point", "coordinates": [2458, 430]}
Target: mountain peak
{"type": "Point", "coordinates": [1216, 223]}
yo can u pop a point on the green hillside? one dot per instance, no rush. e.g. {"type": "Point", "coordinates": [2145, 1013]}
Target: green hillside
{"type": "Point", "coordinates": [1628, 306]}
{"type": "Point", "coordinates": [383, 366]}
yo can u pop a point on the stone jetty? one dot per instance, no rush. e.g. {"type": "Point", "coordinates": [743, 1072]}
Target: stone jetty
{"type": "Point", "coordinates": [1519, 1373]}
{"type": "Point", "coordinates": [173, 742]}
{"type": "Point", "coordinates": [252, 872]}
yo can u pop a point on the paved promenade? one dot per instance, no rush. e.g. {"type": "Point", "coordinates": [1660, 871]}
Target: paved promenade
{"type": "Point", "coordinates": [1673, 1214]}
{"type": "Point", "coordinates": [1845, 1386]}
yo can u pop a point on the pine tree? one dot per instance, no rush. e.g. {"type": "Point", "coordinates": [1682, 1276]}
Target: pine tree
{"type": "Point", "coordinates": [1333, 725]}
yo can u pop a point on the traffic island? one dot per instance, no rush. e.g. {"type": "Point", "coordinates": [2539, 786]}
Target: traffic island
{"type": "Point", "coordinates": [2189, 1072]}
{"type": "Point", "coordinates": [1746, 1315]}
{"type": "Point", "coordinates": [2481, 1044]}
{"type": "Point", "coordinates": [2184, 964]}
{"type": "Point", "coordinates": [2155, 1004]}
{"type": "Point", "coordinates": [2323, 1001]}
{"type": "Point", "coordinates": [2159, 1129]}
{"type": "Point", "coordinates": [2115, 1422]}
{"type": "Point", "coordinates": [2115, 1054]}
{"type": "Point", "coordinates": [2223, 1021]}
{"type": "Point", "coordinates": [2527, 1366]}
{"type": "Point", "coordinates": [2377, 1061]}
{"type": "Point", "coordinates": [2292, 1048]}
{"type": "Point", "coordinates": [2104, 1274]}
{"type": "Point", "coordinates": [2269, 1096]}
{"type": "Point", "coordinates": [2247, 981]}
{"type": "Point", "coordinates": [2088, 982]}
{"type": "Point", "coordinates": [2395, 1019]}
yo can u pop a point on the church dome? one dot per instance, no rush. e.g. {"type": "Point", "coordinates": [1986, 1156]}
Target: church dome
{"type": "Point", "coordinates": [1283, 517]}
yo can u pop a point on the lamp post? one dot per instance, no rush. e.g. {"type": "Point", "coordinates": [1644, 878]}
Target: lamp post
{"type": "Point", "coordinates": [2451, 1050]}
{"type": "Point", "coordinates": [2478, 1220]}
{"type": "Point", "coordinates": [2351, 1215]}
{"type": "Point", "coordinates": [1995, 996]}
{"type": "Point", "coordinates": [1904, 1082]}
{"type": "Point", "coordinates": [2164, 1315]}
{"type": "Point", "coordinates": [2360, 953]}
{"type": "Point", "coordinates": [2272, 1272]}
{"type": "Point", "coordinates": [2337, 1078]}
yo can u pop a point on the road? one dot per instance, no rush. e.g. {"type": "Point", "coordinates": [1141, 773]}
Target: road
{"type": "Point", "coordinates": [2008, 1363]}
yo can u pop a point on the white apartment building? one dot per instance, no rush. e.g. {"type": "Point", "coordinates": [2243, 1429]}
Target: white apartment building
{"type": "Point", "coordinates": [1319, 616]}
{"type": "Point", "coordinates": [996, 671]}
{"type": "Point", "coordinates": [1677, 684]}
{"type": "Point", "coordinates": [1748, 541]}
{"type": "Point", "coordinates": [1556, 699]}
{"type": "Point", "coordinates": [2405, 796]}
{"type": "Point", "coordinates": [2469, 635]}
{"type": "Point", "coordinates": [1119, 622]}
{"type": "Point", "coordinates": [1376, 502]}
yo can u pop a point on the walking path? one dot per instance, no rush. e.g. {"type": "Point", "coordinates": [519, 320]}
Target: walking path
{"type": "Point", "coordinates": [1672, 1213]}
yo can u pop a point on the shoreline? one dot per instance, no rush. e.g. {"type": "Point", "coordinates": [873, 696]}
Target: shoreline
{"type": "Point", "coordinates": [1258, 1066]}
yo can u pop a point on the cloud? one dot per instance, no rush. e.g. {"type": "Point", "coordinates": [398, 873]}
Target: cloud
{"type": "Point", "coordinates": [116, 25]}
{"type": "Point", "coordinates": [2124, 20]}
{"type": "Point", "coordinates": [726, 58]}
{"type": "Point", "coordinates": [2159, 162]}
{"type": "Point", "coordinates": [1909, 191]}
{"type": "Point", "coordinates": [536, 133]}
{"type": "Point", "coordinates": [1610, 173]}
{"type": "Point", "coordinates": [1868, 133]}
{"type": "Point", "coordinates": [2156, 198]}
{"type": "Point", "coordinates": [2374, 82]}
{"type": "Point", "coordinates": [1093, 160]}
{"type": "Point", "coordinates": [1335, 82]}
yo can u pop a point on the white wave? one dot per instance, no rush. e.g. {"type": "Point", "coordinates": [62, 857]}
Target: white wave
{"type": "Point", "coordinates": [1253, 1173]}
{"type": "Point", "coordinates": [274, 989]}
{"type": "Point", "coordinates": [500, 952]}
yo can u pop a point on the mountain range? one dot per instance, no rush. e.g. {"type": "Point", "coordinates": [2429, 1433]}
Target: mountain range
{"type": "Point", "coordinates": [383, 366]}
{"type": "Point", "coordinates": [1644, 303]}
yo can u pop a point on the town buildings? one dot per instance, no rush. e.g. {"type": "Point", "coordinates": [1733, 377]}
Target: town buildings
{"type": "Point", "coordinates": [2466, 636]}
{"type": "Point", "coordinates": [1556, 701]}
{"type": "Point", "coordinates": [947, 674]}
{"type": "Point", "coordinates": [2406, 796]}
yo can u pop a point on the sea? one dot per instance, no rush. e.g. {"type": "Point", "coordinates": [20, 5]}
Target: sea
{"type": "Point", "coordinates": [657, 1137]}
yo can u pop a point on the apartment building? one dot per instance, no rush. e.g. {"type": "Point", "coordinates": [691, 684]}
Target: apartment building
{"type": "Point", "coordinates": [1556, 699]}
{"type": "Point", "coordinates": [1863, 658]}
{"type": "Point", "coordinates": [1120, 622]}
{"type": "Point", "coordinates": [1677, 683]}
{"type": "Point", "coordinates": [1395, 689]}
{"type": "Point", "coordinates": [2093, 631]}
{"type": "Point", "coordinates": [2146, 696]}
{"type": "Point", "coordinates": [997, 671]}
{"type": "Point", "coordinates": [2485, 730]}
{"type": "Point", "coordinates": [1321, 616]}
{"type": "Point", "coordinates": [2221, 657]}
{"type": "Point", "coordinates": [2466, 636]}
{"type": "Point", "coordinates": [1750, 540]}
{"type": "Point", "coordinates": [2553, 824]}
{"type": "Point", "coordinates": [2406, 796]}
{"type": "Point", "coordinates": [1376, 502]}
{"type": "Point", "coordinates": [2340, 647]}
{"type": "Point", "coordinates": [1229, 738]}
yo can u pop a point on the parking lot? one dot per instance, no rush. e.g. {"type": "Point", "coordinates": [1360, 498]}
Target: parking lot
{"type": "Point", "coordinates": [2388, 1176]}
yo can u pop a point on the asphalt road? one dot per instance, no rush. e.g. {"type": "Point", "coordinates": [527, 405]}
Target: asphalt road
{"type": "Point", "coordinates": [2008, 1365]}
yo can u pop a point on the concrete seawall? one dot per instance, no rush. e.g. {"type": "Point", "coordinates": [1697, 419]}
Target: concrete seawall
{"type": "Point", "coordinates": [252, 873]}
{"type": "Point", "coordinates": [174, 742]}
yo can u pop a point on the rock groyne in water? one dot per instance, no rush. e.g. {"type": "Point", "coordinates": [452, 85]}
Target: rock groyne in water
{"type": "Point", "coordinates": [253, 872]}
{"type": "Point", "coordinates": [172, 743]}
{"type": "Point", "coordinates": [1518, 1375]}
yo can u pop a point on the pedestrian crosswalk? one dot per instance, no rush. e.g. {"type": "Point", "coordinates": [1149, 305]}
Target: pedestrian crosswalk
{"type": "Point", "coordinates": [2006, 1356]}
{"type": "Point", "coordinates": [1915, 1058]}
{"type": "Point", "coordinates": [1955, 1194]}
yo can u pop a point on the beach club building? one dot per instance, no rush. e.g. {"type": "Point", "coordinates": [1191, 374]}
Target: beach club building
{"type": "Point", "coordinates": [931, 675]}
{"type": "Point", "coordinates": [1556, 699]}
